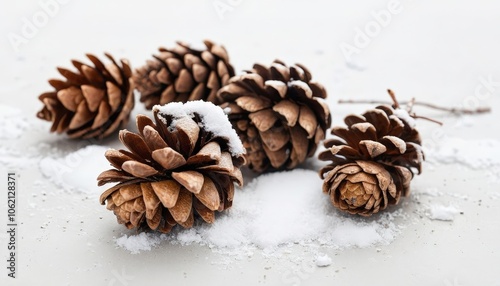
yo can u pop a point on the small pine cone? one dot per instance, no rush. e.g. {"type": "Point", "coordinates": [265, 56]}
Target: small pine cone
{"type": "Point", "coordinates": [279, 114]}
{"type": "Point", "coordinates": [380, 147]}
{"type": "Point", "coordinates": [366, 187]}
{"type": "Point", "coordinates": [184, 74]}
{"type": "Point", "coordinates": [92, 102]}
{"type": "Point", "coordinates": [180, 166]}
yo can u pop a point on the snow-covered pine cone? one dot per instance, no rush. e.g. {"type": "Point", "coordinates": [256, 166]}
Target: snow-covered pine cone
{"type": "Point", "coordinates": [183, 74]}
{"type": "Point", "coordinates": [181, 166]}
{"type": "Point", "coordinates": [92, 102]}
{"type": "Point", "coordinates": [373, 160]}
{"type": "Point", "coordinates": [279, 114]}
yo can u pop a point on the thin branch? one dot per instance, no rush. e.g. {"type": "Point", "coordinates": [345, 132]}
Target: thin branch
{"type": "Point", "coordinates": [393, 96]}
{"type": "Point", "coordinates": [409, 106]}
{"type": "Point", "coordinates": [427, 118]}
{"type": "Point", "coordinates": [425, 104]}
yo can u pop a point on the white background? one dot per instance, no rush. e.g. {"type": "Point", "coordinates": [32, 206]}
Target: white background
{"type": "Point", "coordinates": [436, 51]}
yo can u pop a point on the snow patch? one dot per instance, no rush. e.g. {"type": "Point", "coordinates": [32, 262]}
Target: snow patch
{"type": "Point", "coordinates": [77, 171]}
{"type": "Point", "coordinates": [474, 153]}
{"type": "Point", "coordinates": [405, 116]}
{"type": "Point", "coordinates": [139, 242]}
{"type": "Point", "coordinates": [13, 122]}
{"type": "Point", "coordinates": [277, 211]}
{"type": "Point", "coordinates": [440, 212]}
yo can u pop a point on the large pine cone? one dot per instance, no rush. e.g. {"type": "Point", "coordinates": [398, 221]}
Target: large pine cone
{"type": "Point", "coordinates": [279, 114]}
{"type": "Point", "coordinates": [179, 167]}
{"type": "Point", "coordinates": [184, 74]}
{"type": "Point", "coordinates": [92, 102]}
{"type": "Point", "coordinates": [373, 160]}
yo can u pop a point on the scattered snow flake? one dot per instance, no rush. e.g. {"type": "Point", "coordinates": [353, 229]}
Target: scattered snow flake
{"type": "Point", "coordinates": [323, 260]}
{"type": "Point", "coordinates": [440, 212]}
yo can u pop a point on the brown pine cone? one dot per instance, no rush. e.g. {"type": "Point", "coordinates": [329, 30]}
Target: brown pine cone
{"type": "Point", "coordinates": [279, 114]}
{"type": "Point", "coordinates": [178, 167]}
{"type": "Point", "coordinates": [380, 147]}
{"type": "Point", "coordinates": [366, 187]}
{"type": "Point", "coordinates": [184, 74]}
{"type": "Point", "coordinates": [92, 102]}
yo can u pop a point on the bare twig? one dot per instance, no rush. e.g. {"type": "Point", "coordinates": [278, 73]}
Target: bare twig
{"type": "Point", "coordinates": [393, 96]}
{"type": "Point", "coordinates": [425, 104]}
{"type": "Point", "coordinates": [413, 102]}
{"type": "Point", "coordinates": [426, 118]}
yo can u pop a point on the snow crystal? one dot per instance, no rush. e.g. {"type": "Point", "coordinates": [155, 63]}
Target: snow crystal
{"type": "Point", "coordinates": [213, 119]}
{"type": "Point", "coordinates": [323, 260]}
{"type": "Point", "coordinates": [474, 153]}
{"type": "Point", "coordinates": [440, 212]}
{"type": "Point", "coordinates": [278, 210]}
{"type": "Point", "coordinates": [140, 242]}
{"type": "Point", "coordinates": [77, 171]}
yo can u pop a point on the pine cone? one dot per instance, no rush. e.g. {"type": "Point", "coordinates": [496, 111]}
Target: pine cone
{"type": "Point", "coordinates": [373, 160]}
{"type": "Point", "coordinates": [184, 74]}
{"type": "Point", "coordinates": [279, 114]}
{"type": "Point", "coordinates": [91, 103]}
{"type": "Point", "coordinates": [366, 187]}
{"type": "Point", "coordinates": [181, 166]}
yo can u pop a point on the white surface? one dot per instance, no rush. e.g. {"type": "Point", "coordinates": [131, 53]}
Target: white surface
{"type": "Point", "coordinates": [445, 52]}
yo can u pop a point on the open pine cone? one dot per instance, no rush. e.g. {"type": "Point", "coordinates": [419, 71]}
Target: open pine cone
{"type": "Point", "coordinates": [183, 74]}
{"type": "Point", "coordinates": [92, 102]}
{"type": "Point", "coordinates": [373, 160]}
{"type": "Point", "coordinates": [182, 165]}
{"type": "Point", "coordinates": [279, 114]}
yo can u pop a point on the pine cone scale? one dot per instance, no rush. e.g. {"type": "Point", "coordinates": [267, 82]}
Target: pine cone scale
{"type": "Point", "coordinates": [191, 180]}
{"type": "Point", "coordinates": [182, 208]}
{"type": "Point", "coordinates": [205, 213]}
{"type": "Point", "coordinates": [167, 192]}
